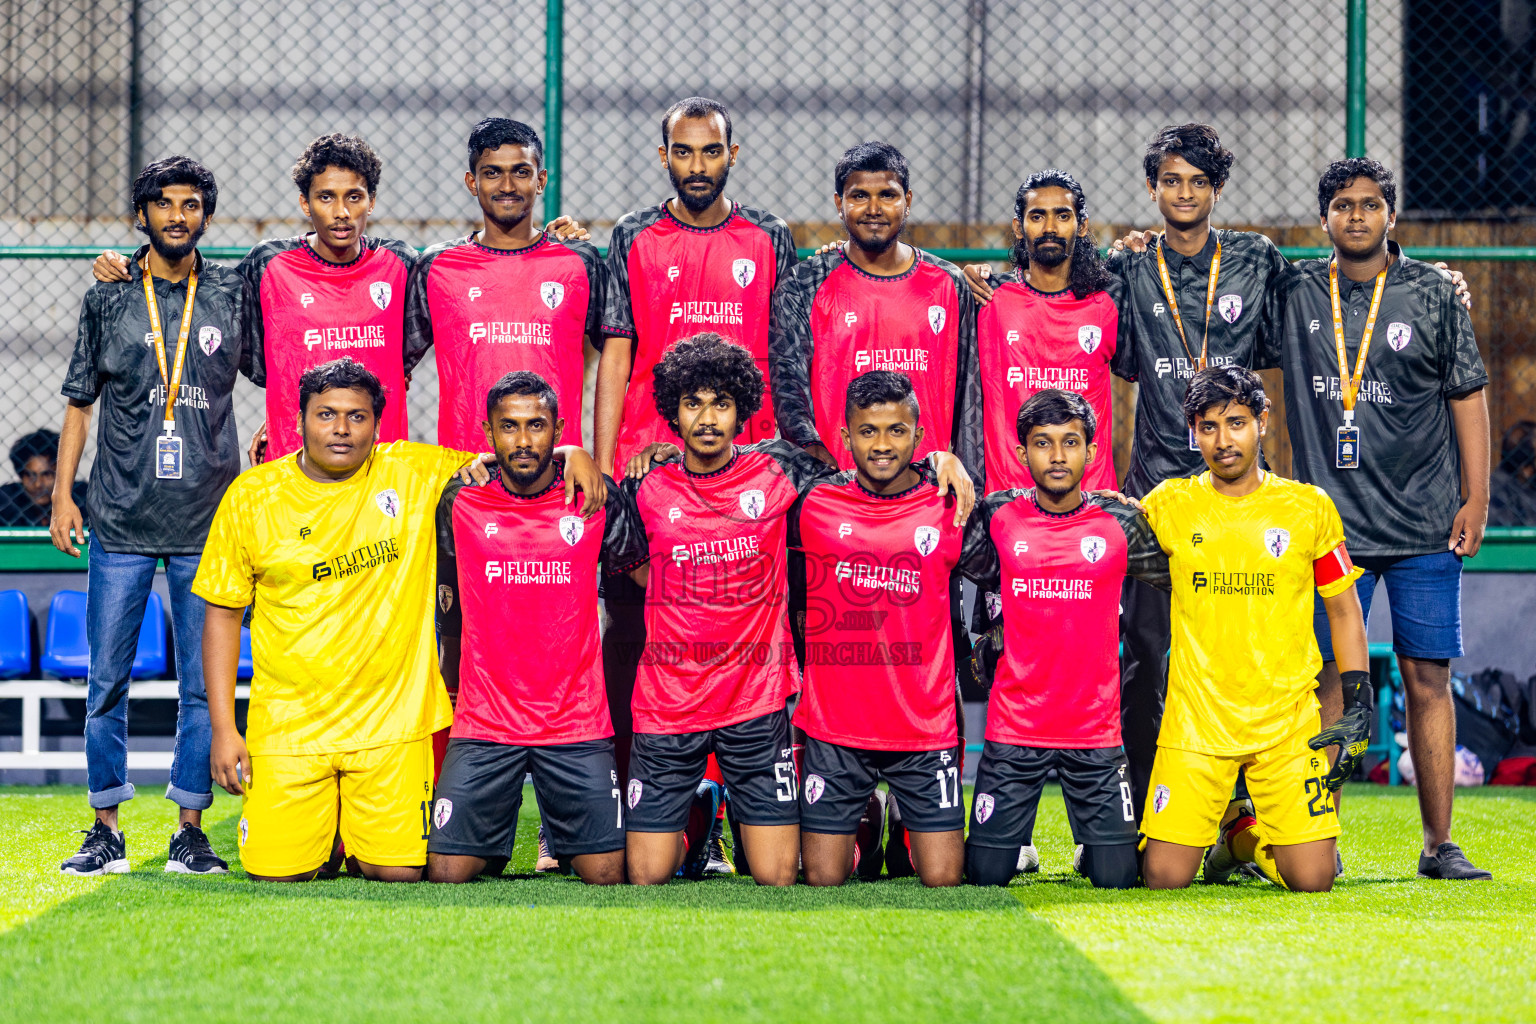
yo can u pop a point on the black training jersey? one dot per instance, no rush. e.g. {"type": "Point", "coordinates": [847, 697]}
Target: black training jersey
{"type": "Point", "coordinates": [1244, 322]}
{"type": "Point", "coordinates": [130, 509]}
{"type": "Point", "coordinates": [1403, 498]}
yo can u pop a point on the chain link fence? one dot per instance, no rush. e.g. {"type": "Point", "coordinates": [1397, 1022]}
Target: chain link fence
{"type": "Point", "coordinates": [977, 94]}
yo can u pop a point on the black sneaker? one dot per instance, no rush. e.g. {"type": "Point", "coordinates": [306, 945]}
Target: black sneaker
{"type": "Point", "coordinates": [191, 854]}
{"type": "Point", "coordinates": [1450, 863]}
{"type": "Point", "coordinates": [103, 853]}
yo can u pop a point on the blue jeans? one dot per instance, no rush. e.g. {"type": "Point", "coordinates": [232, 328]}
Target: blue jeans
{"type": "Point", "coordinates": [117, 587]}
{"type": "Point", "coordinates": [1424, 592]}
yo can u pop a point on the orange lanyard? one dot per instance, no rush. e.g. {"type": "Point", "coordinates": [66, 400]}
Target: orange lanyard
{"type": "Point", "coordinates": [1349, 386]}
{"type": "Point", "coordinates": [1173, 301]}
{"type": "Point", "coordinates": [172, 380]}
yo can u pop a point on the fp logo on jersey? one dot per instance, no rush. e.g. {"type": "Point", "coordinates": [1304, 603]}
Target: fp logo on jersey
{"type": "Point", "coordinates": [209, 339]}
{"type": "Point", "coordinates": [925, 538]}
{"type": "Point", "coordinates": [674, 514]}
{"type": "Point", "coordinates": [936, 318]}
{"type": "Point", "coordinates": [474, 293]}
{"type": "Point", "coordinates": [1092, 548]}
{"type": "Point", "coordinates": [1399, 335]}
{"type": "Point", "coordinates": [751, 503]}
{"type": "Point", "coordinates": [636, 788]}
{"type": "Point", "coordinates": [843, 530]}
{"type": "Point", "coordinates": [815, 785]}
{"type": "Point", "coordinates": [379, 292]}
{"type": "Point", "coordinates": [1015, 375]}
{"type": "Point", "coordinates": [389, 502]}
{"type": "Point", "coordinates": [743, 271]}
{"type": "Point", "coordinates": [1230, 307]}
{"type": "Point", "coordinates": [570, 528]}
{"type": "Point", "coordinates": [1276, 540]}
{"type": "Point", "coordinates": [442, 812]}
{"type": "Point", "coordinates": [1088, 338]}
{"type": "Point", "coordinates": [552, 292]}
{"type": "Point", "coordinates": [984, 806]}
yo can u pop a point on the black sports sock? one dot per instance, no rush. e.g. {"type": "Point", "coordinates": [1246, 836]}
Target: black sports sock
{"type": "Point", "coordinates": [985, 865]}
{"type": "Point", "coordinates": [1111, 867]}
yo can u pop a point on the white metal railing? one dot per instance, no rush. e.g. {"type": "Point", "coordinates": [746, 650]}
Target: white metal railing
{"type": "Point", "coordinates": [31, 693]}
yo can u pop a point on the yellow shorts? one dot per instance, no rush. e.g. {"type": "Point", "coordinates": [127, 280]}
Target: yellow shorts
{"type": "Point", "coordinates": [294, 802]}
{"type": "Point", "coordinates": [1189, 792]}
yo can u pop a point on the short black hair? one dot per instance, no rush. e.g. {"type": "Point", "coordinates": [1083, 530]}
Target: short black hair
{"type": "Point", "coordinates": [707, 362]}
{"type": "Point", "coordinates": [877, 386]}
{"type": "Point", "coordinates": [1197, 143]}
{"type": "Point", "coordinates": [341, 373]}
{"type": "Point", "coordinates": [1223, 385]}
{"type": "Point", "coordinates": [872, 156]}
{"type": "Point", "coordinates": [522, 382]}
{"type": "Point", "coordinates": [1053, 407]}
{"type": "Point", "coordinates": [694, 106]}
{"type": "Point", "coordinates": [30, 446]}
{"type": "Point", "coordinates": [495, 132]}
{"type": "Point", "coordinates": [174, 170]}
{"type": "Point", "coordinates": [1341, 173]}
{"type": "Point", "coordinates": [347, 152]}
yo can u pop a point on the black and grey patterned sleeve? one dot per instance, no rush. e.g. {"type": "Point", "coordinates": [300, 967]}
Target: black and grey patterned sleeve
{"type": "Point", "coordinates": [1123, 363]}
{"type": "Point", "coordinates": [978, 555]}
{"type": "Point", "coordinates": [1461, 364]}
{"type": "Point", "coordinates": [418, 313]}
{"type": "Point", "coordinates": [597, 289]}
{"type": "Point", "coordinates": [625, 545]}
{"type": "Point", "coordinates": [450, 615]}
{"type": "Point", "coordinates": [1144, 556]}
{"type": "Point", "coordinates": [618, 319]}
{"type": "Point", "coordinates": [1280, 276]}
{"type": "Point", "coordinates": [81, 380]}
{"type": "Point", "coordinates": [967, 438]}
{"type": "Point", "coordinates": [803, 470]}
{"type": "Point", "coordinates": [790, 349]}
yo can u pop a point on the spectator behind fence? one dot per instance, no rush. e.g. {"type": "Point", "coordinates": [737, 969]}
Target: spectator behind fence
{"type": "Point", "coordinates": [1512, 490]}
{"type": "Point", "coordinates": [29, 501]}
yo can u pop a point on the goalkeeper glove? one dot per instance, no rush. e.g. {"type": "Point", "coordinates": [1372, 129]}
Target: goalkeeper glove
{"type": "Point", "coordinates": [1352, 732]}
{"type": "Point", "coordinates": [985, 654]}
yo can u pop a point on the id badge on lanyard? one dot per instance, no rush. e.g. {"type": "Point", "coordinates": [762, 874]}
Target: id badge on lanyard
{"type": "Point", "coordinates": [169, 446]}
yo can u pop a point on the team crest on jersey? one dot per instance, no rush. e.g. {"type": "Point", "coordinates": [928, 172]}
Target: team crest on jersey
{"type": "Point", "coordinates": [815, 785]}
{"type": "Point", "coordinates": [552, 292]}
{"type": "Point", "coordinates": [743, 271]}
{"type": "Point", "coordinates": [209, 339]}
{"type": "Point", "coordinates": [571, 528]}
{"type": "Point", "coordinates": [245, 831]}
{"type": "Point", "coordinates": [994, 604]}
{"type": "Point", "coordinates": [1088, 338]}
{"type": "Point", "coordinates": [1092, 548]}
{"type": "Point", "coordinates": [1159, 799]}
{"type": "Point", "coordinates": [1230, 307]}
{"type": "Point", "coordinates": [379, 292]}
{"type": "Point", "coordinates": [1399, 335]}
{"type": "Point", "coordinates": [936, 318]}
{"type": "Point", "coordinates": [442, 812]}
{"type": "Point", "coordinates": [984, 807]}
{"type": "Point", "coordinates": [636, 790]}
{"type": "Point", "coordinates": [389, 502]}
{"type": "Point", "coordinates": [926, 538]}
{"type": "Point", "coordinates": [752, 503]}
{"type": "Point", "coordinates": [1276, 540]}
{"type": "Point", "coordinates": [445, 597]}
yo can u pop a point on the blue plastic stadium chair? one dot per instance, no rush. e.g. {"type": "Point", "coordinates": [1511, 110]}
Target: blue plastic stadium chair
{"type": "Point", "coordinates": [149, 660]}
{"type": "Point", "coordinates": [15, 635]}
{"type": "Point", "coordinates": [247, 667]}
{"type": "Point", "coordinates": [66, 655]}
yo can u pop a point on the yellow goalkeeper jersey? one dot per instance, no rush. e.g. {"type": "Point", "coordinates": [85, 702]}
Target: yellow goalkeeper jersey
{"type": "Point", "coordinates": [343, 580]}
{"type": "Point", "coordinates": [1244, 661]}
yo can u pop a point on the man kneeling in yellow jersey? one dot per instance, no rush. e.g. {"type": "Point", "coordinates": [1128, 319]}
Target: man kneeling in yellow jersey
{"type": "Point", "coordinates": [1245, 549]}
{"type": "Point", "coordinates": [336, 548]}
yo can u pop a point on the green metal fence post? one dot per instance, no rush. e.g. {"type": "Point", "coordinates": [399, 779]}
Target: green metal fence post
{"type": "Point", "coordinates": [1354, 102]}
{"type": "Point", "coordinates": [554, 102]}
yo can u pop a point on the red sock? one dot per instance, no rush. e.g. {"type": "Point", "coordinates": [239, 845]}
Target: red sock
{"type": "Point", "coordinates": [712, 771]}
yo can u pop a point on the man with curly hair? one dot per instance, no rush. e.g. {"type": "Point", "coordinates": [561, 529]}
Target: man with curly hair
{"type": "Point", "coordinates": [719, 660]}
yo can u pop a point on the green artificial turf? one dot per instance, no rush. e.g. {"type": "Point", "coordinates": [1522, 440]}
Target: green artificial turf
{"type": "Point", "coordinates": [1384, 946]}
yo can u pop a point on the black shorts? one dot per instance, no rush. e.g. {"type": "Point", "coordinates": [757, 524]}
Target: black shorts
{"type": "Point", "coordinates": [1093, 782]}
{"type": "Point", "coordinates": [839, 780]}
{"type": "Point", "coordinates": [474, 810]}
{"type": "Point", "coordinates": [755, 759]}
